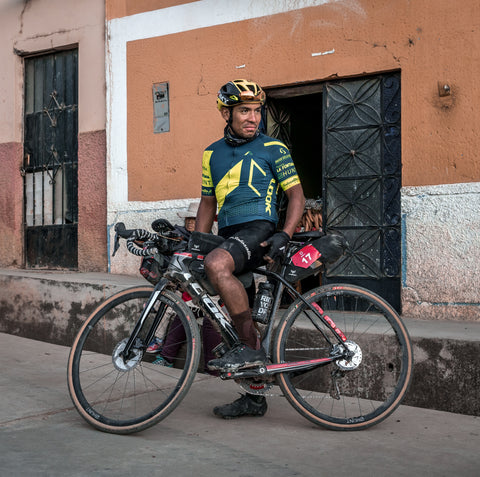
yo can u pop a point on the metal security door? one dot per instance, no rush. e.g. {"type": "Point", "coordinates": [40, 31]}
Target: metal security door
{"type": "Point", "coordinates": [362, 181]}
{"type": "Point", "coordinates": [50, 160]}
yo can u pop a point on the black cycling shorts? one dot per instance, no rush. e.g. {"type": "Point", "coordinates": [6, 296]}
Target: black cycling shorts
{"type": "Point", "coordinates": [243, 243]}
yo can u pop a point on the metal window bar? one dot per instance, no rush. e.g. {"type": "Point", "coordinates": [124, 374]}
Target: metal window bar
{"type": "Point", "coordinates": [51, 189]}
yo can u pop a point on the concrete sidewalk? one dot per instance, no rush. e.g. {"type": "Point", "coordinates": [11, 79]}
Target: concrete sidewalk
{"type": "Point", "coordinates": [42, 435]}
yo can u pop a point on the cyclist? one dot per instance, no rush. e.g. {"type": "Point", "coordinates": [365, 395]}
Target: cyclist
{"type": "Point", "coordinates": [241, 175]}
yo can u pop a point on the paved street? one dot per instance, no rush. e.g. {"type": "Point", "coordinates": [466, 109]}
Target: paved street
{"type": "Point", "coordinates": [42, 435]}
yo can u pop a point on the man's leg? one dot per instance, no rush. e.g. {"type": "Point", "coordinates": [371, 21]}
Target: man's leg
{"type": "Point", "coordinates": [220, 266]}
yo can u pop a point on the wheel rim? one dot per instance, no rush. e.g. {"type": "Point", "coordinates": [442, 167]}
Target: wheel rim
{"type": "Point", "coordinates": [351, 393]}
{"type": "Point", "coordinates": [117, 395]}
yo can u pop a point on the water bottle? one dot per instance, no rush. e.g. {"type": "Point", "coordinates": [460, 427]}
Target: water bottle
{"type": "Point", "coordinates": [263, 303]}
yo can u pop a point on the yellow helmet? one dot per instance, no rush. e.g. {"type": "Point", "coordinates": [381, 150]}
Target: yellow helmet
{"type": "Point", "coordinates": [239, 91]}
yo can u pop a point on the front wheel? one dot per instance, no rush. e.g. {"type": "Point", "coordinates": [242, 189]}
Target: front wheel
{"type": "Point", "coordinates": [122, 396]}
{"type": "Point", "coordinates": [354, 392]}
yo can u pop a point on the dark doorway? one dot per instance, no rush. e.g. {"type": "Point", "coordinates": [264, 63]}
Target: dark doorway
{"type": "Point", "coordinates": [301, 118]}
{"type": "Point", "coordinates": [295, 116]}
{"type": "Point", "coordinates": [51, 160]}
{"type": "Point", "coordinates": [345, 140]}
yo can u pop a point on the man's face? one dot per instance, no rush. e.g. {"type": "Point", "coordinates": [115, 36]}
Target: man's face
{"type": "Point", "coordinates": [245, 119]}
{"type": "Point", "coordinates": [190, 223]}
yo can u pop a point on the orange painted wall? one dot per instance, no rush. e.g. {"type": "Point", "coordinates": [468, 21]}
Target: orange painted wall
{"type": "Point", "coordinates": [122, 8]}
{"type": "Point", "coordinates": [423, 40]}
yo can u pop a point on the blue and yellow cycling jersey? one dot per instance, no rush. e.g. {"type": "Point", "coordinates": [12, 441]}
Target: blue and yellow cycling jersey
{"type": "Point", "coordinates": [245, 179]}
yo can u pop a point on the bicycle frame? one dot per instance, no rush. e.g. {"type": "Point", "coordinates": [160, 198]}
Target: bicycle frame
{"type": "Point", "coordinates": [117, 388]}
{"type": "Point", "coordinates": [178, 273]}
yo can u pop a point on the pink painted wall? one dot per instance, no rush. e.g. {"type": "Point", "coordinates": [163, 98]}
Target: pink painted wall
{"type": "Point", "coordinates": [92, 198]}
{"type": "Point", "coordinates": [11, 205]}
{"type": "Point", "coordinates": [28, 28]}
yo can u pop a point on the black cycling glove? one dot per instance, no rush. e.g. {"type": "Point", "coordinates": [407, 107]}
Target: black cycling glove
{"type": "Point", "coordinates": [278, 245]}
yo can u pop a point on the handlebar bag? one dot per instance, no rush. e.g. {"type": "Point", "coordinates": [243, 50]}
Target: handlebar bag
{"type": "Point", "coordinates": [309, 259]}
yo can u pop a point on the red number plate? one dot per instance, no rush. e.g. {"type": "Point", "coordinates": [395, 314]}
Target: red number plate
{"type": "Point", "coordinates": [306, 256]}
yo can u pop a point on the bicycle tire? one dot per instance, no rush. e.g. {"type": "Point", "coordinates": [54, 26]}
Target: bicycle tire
{"type": "Point", "coordinates": [358, 397]}
{"type": "Point", "coordinates": [125, 397]}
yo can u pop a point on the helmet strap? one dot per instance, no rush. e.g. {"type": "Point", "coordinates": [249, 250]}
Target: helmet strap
{"type": "Point", "coordinates": [230, 118]}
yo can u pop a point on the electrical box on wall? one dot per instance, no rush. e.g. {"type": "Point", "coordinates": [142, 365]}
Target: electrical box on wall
{"type": "Point", "coordinates": [161, 108]}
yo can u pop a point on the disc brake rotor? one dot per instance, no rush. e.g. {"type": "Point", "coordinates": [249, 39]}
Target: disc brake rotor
{"type": "Point", "coordinates": [354, 361]}
{"type": "Point", "coordinates": [118, 360]}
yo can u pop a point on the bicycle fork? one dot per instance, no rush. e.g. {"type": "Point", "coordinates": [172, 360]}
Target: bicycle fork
{"type": "Point", "coordinates": [132, 342]}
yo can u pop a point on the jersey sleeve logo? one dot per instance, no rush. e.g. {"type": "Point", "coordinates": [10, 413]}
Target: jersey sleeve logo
{"type": "Point", "coordinates": [207, 182]}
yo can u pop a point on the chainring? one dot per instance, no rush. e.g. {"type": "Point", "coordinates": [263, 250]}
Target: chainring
{"type": "Point", "coordinates": [252, 386]}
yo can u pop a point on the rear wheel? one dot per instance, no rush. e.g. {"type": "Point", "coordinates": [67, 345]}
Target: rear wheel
{"type": "Point", "coordinates": [120, 395]}
{"type": "Point", "coordinates": [352, 393]}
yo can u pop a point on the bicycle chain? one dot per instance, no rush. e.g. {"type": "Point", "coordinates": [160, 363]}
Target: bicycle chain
{"type": "Point", "coordinates": [261, 388]}
{"type": "Point", "coordinates": [265, 393]}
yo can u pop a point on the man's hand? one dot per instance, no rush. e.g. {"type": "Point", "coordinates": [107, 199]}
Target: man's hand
{"type": "Point", "coordinates": [278, 246]}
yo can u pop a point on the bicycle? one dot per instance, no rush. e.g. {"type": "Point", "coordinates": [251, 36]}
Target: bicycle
{"type": "Point", "coordinates": [340, 354]}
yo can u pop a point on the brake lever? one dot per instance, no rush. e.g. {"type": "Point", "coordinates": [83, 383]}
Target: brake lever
{"type": "Point", "coordinates": [116, 244]}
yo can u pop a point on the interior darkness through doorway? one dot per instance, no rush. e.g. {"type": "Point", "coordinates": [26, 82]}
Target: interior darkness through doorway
{"type": "Point", "coordinates": [306, 139]}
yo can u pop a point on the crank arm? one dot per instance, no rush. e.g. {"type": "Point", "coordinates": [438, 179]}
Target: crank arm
{"type": "Point", "coordinates": [256, 372]}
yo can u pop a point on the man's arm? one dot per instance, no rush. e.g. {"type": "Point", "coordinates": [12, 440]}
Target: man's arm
{"type": "Point", "coordinates": [279, 240]}
{"type": "Point", "coordinates": [295, 208]}
{"type": "Point", "coordinates": [206, 214]}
